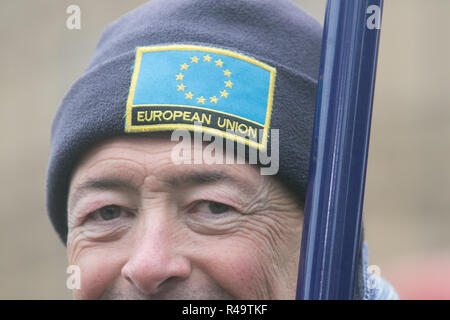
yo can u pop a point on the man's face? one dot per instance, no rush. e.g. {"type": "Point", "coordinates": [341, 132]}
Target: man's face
{"type": "Point", "coordinates": [143, 227]}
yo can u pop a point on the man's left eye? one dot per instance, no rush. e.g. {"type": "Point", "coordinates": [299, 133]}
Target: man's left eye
{"type": "Point", "coordinates": [217, 207]}
{"type": "Point", "coordinates": [211, 207]}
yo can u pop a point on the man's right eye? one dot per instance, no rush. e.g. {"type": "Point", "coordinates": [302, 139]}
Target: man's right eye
{"type": "Point", "coordinates": [108, 213]}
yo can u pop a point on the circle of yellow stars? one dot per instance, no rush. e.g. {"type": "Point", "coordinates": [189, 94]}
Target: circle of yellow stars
{"type": "Point", "coordinates": [205, 59]}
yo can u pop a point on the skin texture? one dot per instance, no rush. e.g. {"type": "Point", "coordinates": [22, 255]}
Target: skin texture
{"type": "Point", "coordinates": [179, 231]}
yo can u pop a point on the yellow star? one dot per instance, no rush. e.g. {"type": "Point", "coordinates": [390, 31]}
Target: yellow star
{"type": "Point", "coordinates": [201, 100]}
{"type": "Point", "coordinates": [227, 73]}
{"type": "Point", "coordinates": [219, 63]}
{"type": "Point", "coordinates": [228, 84]}
{"type": "Point", "coordinates": [207, 58]}
{"type": "Point", "coordinates": [189, 95]}
{"type": "Point", "coordinates": [224, 93]}
{"type": "Point", "coordinates": [180, 76]}
{"type": "Point", "coordinates": [213, 99]}
{"type": "Point", "coordinates": [181, 87]}
{"type": "Point", "coordinates": [184, 66]}
{"type": "Point", "coordinates": [194, 60]}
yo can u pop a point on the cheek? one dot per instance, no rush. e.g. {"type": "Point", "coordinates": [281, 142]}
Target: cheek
{"type": "Point", "coordinates": [256, 262]}
{"type": "Point", "coordinates": [237, 266]}
{"type": "Point", "coordinates": [99, 267]}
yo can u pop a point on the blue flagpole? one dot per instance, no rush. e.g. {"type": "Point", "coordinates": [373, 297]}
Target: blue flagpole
{"type": "Point", "coordinates": [334, 201]}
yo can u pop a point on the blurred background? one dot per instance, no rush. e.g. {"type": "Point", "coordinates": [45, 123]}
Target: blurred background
{"type": "Point", "coordinates": [407, 198]}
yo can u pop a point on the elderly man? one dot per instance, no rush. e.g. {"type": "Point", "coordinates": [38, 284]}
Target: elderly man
{"type": "Point", "coordinates": [142, 215]}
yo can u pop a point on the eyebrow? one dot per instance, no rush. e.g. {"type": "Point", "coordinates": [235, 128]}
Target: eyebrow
{"type": "Point", "coordinates": [187, 178]}
{"type": "Point", "coordinates": [100, 184]}
{"type": "Point", "coordinates": [207, 177]}
{"type": "Point", "coordinates": [198, 178]}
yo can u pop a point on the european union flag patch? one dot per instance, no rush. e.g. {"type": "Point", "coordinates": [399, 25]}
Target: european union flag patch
{"type": "Point", "coordinates": [175, 86]}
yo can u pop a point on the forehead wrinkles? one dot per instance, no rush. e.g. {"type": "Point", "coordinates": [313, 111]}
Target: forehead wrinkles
{"type": "Point", "coordinates": [134, 154]}
{"type": "Point", "coordinates": [147, 164]}
{"type": "Point", "coordinates": [151, 153]}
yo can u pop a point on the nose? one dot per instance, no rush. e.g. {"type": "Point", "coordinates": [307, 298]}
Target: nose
{"type": "Point", "coordinates": [155, 259]}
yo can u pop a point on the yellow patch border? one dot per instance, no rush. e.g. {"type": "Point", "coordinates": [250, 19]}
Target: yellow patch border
{"type": "Point", "coordinates": [162, 127]}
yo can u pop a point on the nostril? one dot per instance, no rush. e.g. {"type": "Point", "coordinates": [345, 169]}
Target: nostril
{"type": "Point", "coordinates": [128, 279]}
{"type": "Point", "coordinates": [169, 283]}
{"type": "Point", "coordinates": [126, 274]}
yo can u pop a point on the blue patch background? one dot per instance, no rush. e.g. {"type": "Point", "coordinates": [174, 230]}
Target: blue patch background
{"type": "Point", "coordinates": [157, 84]}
